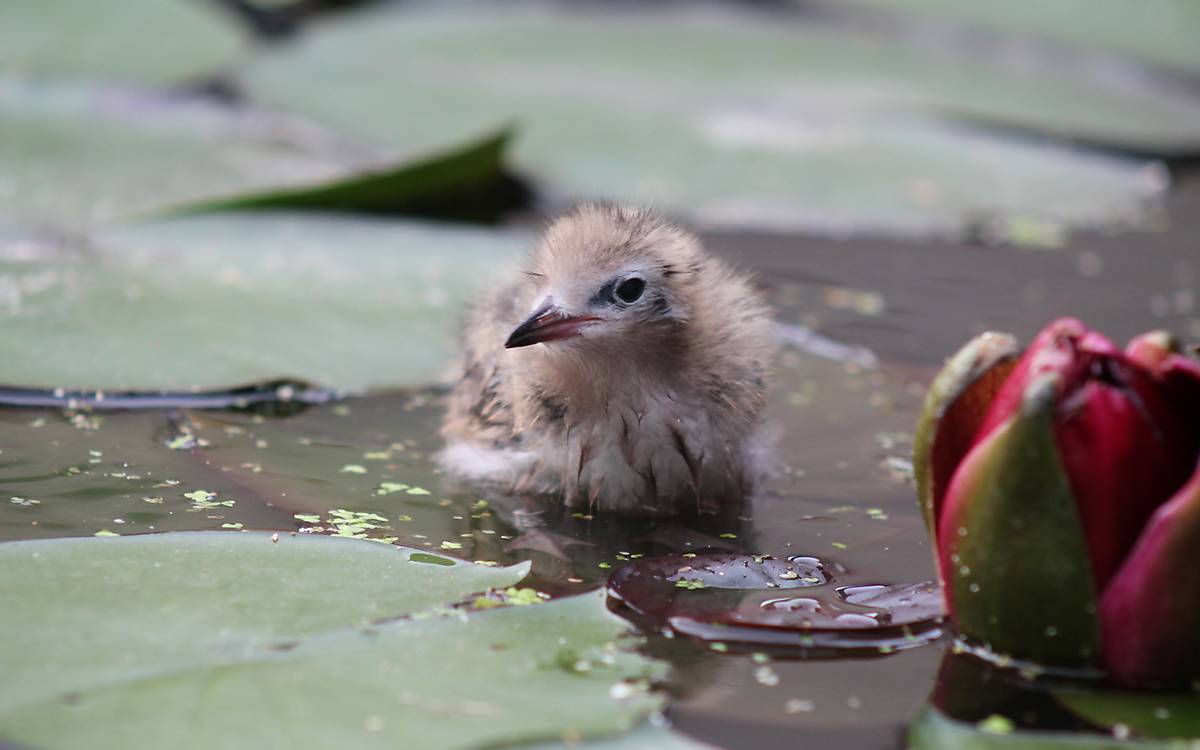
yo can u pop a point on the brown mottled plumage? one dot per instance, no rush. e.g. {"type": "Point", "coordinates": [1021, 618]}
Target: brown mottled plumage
{"type": "Point", "coordinates": [625, 369]}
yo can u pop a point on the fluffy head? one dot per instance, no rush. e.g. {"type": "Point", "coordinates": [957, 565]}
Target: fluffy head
{"type": "Point", "coordinates": [612, 272]}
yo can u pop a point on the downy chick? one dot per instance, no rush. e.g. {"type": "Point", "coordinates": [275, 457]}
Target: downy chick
{"type": "Point", "coordinates": [626, 369]}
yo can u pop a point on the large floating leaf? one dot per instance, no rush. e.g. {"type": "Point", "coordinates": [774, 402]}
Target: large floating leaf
{"type": "Point", "coordinates": [202, 640]}
{"type": "Point", "coordinates": [141, 41]}
{"type": "Point", "coordinates": [221, 299]}
{"type": "Point", "coordinates": [734, 119]}
{"type": "Point", "coordinates": [72, 156]}
{"type": "Point", "coordinates": [1161, 31]}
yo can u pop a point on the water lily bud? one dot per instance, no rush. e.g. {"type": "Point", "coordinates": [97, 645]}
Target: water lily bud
{"type": "Point", "coordinates": [1071, 486]}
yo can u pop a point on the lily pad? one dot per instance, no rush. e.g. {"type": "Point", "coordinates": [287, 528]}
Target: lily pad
{"type": "Point", "coordinates": [77, 155]}
{"type": "Point", "coordinates": [200, 640]}
{"type": "Point", "coordinates": [136, 41]}
{"type": "Point", "coordinates": [738, 119]}
{"type": "Point", "coordinates": [933, 730]}
{"type": "Point", "coordinates": [1162, 715]}
{"type": "Point", "coordinates": [769, 602]}
{"type": "Point", "coordinates": [1162, 32]}
{"type": "Point", "coordinates": [344, 302]}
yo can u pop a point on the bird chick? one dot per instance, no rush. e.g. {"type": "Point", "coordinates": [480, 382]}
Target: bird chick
{"type": "Point", "coordinates": [626, 369]}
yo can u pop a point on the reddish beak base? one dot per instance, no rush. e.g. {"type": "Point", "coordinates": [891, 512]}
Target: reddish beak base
{"type": "Point", "coordinates": [546, 324]}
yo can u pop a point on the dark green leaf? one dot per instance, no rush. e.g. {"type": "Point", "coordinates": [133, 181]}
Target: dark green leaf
{"type": "Point", "coordinates": [934, 731]}
{"type": "Point", "coordinates": [74, 156]}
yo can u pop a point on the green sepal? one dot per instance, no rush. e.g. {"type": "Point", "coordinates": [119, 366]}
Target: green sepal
{"type": "Point", "coordinates": [955, 406]}
{"type": "Point", "coordinates": [1012, 546]}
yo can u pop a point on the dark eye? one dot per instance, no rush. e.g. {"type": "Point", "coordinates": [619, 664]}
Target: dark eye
{"type": "Point", "coordinates": [630, 289]}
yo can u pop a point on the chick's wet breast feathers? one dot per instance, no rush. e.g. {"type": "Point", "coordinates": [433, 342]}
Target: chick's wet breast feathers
{"type": "Point", "coordinates": [625, 369]}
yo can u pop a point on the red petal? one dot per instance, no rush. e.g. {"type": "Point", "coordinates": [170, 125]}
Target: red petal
{"type": "Point", "coordinates": [1151, 350]}
{"type": "Point", "coordinates": [957, 402]}
{"type": "Point", "coordinates": [1054, 350]}
{"type": "Point", "coordinates": [1150, 614]}
{"type": "Point", "coordinates": [1124, 453]}
{"type": "Point", "coordinates": [1124, 434]}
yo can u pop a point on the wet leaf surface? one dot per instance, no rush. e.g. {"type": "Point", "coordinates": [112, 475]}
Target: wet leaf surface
{"type": "Point", "coordinates": [755, 600]}
{"type": "Point", "coordinates": [381, 303]}
{"type": "Point", "coordinates": [207, 639]}
{"type": "Point", "coordinates": [780, 126]}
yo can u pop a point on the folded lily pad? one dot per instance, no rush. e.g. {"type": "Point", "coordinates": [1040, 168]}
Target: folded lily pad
{"type": "Point", "coordinates": [136, 41]}
{"type": "Point", "coordinates": [767, 602]}
{"type": "Point", "coordinates": [221, 299]}
{"type": "Point", "coordinates": [737, 119]}
{"type": "Point", "coordinates": [203, 640]}
{"type": "Point", "coordinates": [76, 155]}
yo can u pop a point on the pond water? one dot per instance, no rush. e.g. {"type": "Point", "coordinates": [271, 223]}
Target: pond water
{"type": "Point", "coordinates": [843, 494]}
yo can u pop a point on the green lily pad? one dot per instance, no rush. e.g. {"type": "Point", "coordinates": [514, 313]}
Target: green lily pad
{"type": "Point", "coordinates": [74, 156]}
{"type": "Point", "coordinates": [136, 41]}
{"type": "Point", "coordinates": [933, 730]}
{"type": "Point", "coordinates": [1161, 715]}
{"type": "Point", "coordinates": [347, 302]}
{"type": "Point", "coordinates": [736, 119]}
{"type": "Point", "coordinates": [457, 175]}
{"type": "Point", "coordinates": [202, 640]}
{"type": "Point", "coordinates": [1161, 31]}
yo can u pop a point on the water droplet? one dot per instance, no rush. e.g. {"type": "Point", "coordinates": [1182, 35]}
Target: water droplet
{"type": "Point", "coordinates": [856, 620]}
{"type": "Point", "coordinates": [792, 604]}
